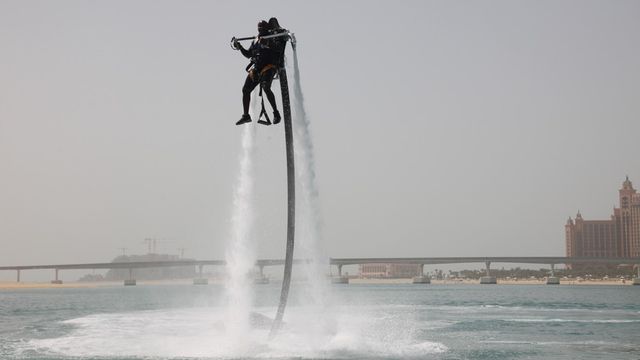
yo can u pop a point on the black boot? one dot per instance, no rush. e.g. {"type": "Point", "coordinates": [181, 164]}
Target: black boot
{"type": "Point", "coordinates": [276, 117]}
{"type": "Point", "coordinates": [244, 119]}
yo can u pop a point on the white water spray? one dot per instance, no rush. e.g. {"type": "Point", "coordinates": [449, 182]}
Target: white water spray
{"type": "Point", "coordinates": [309, 229]}
{"type": "Point", "coordinates": [240, 255]}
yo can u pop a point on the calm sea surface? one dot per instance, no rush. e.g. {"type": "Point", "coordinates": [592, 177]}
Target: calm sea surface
{"type": "Point", "coordinates": [357, 322]}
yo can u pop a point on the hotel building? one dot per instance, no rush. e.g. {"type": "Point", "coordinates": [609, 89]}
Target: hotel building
{"type": "Point", "coordinates": [617, 237]}
{"type": "Point", "coordinates": [389, 270]}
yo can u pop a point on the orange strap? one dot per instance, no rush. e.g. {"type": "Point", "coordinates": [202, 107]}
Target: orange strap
{"type": "Point", "coordinates": [254, 72]}
{"type": "Point", "coordinates": [266, 68]}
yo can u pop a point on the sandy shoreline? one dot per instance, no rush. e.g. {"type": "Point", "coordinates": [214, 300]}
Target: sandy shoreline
{"type": "Point", "coordinates": [500, 282]}
{"type": "Point", "coordinates": [11, 285]}
{"type": "Point", "coordinates": [8, 285]}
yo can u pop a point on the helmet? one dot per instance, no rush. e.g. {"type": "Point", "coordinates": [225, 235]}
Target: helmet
{"type": "Point", "coordinates": [263, 28]}
{"type": "Point", "coordinates": [273, 23]}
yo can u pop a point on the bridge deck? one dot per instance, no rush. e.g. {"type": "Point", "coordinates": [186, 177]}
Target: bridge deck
{"type": "Point", "coordinates": [339, 261]}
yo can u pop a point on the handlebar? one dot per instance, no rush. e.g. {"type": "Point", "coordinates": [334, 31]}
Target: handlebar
{"type": "Point", "coordinates": [287, 34]}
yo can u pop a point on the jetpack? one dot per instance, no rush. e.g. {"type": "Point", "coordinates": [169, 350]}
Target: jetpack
{"type": "Point", "coordinates": [278, 40]}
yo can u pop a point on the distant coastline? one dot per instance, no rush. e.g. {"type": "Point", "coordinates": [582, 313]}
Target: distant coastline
{"type": "Point", "coordinates": [11, 285]}
{"type": "Point", "coordinates": [8, 285]}
{"type": "Point", "coordinates": [500, 282]}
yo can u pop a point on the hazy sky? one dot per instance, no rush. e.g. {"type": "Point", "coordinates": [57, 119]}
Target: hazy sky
{"type": "Point", "coordinates": [441, 128]}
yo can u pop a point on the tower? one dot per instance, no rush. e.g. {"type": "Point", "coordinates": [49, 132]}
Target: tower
{"type": "Point", "coordinates": [570, 238]}
{"type": "Point", "coordinates": [574, 236]}
{"type": "Point", "coordinates": [624, 221]}
{"type": "Point", "coordinates": [630, 218]}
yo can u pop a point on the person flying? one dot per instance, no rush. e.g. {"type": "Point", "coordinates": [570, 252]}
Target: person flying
{"type": "Point", "coordinates": [262, 69]}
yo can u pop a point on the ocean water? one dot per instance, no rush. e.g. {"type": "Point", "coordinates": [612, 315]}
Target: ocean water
{"type": "Point", "coordinates": [359, 322]}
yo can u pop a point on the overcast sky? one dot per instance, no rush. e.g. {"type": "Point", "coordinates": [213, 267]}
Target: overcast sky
{"type": "Point", "coordinates": [441, 128]}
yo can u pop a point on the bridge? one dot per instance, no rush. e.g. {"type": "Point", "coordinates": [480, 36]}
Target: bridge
{"type": "Point", "coordinates": [137, 265]}
{"type": "Point", "coordinates": [487, 279]}
{"type": "Point", "coordinates": [339, 263]}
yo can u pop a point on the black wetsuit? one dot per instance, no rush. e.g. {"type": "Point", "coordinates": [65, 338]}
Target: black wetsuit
{"type": "Point", "coordinates": [277, 45]}
{"type": "Point", "coordinates": [261, 54]}
{"type": "Point", "coordinates": [263, 68]}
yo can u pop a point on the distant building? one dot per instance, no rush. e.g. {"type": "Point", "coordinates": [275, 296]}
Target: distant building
{"type": "Point", "coordinates": [617, 237]}
{"type": "Point", "coordinates": [389, 270]}
{"type": "Point", "coordinates": [160, 273]}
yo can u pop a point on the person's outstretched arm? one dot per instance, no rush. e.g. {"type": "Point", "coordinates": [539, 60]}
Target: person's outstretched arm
{"type": "Point", "coordinates": [246, 53]}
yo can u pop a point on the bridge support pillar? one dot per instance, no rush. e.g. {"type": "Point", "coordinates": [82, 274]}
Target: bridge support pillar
{"type": "Point", "coordinates": [488, 279]}
{"type": "Point", "coordinates": [130, 281]}
{"type": "Point", "coordinates": [18, 276]}
{"type": "Point", "coordinates": [57, 280]}
{"type": "Point", "coordinates": [553, 279]}
{"type": "Point", "coordinates": [636, 280]}
{"type": "Point", "coordinates": [200, 280]}
{"type": "Point", "coordinates": [422, 278]}
{"type": "Point", "coordinates": [260, 278]}
{"type": "Point", "coordinates": [340, 279]}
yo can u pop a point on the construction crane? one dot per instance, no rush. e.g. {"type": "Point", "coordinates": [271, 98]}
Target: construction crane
{"type": "Point", "coordinates": [152, 244]}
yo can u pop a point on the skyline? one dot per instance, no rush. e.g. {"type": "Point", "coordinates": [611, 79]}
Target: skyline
{"type": "Point", "coordinates": [152, 244]}
{"type": "Point", "coordinates": [142, 263]}
{"type": "Point", "coordinates": [439, 128]}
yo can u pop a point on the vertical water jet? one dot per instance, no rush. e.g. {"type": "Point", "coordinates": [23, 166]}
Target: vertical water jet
{"type": "Point", "coordinates": [309, 215]}
{"type": "Point", "coordinates": [240, 255]}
